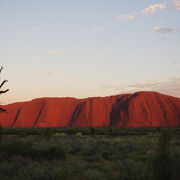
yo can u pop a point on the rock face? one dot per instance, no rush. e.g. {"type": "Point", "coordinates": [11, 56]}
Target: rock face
{"type": "Point", "coordinates": [126, 110]}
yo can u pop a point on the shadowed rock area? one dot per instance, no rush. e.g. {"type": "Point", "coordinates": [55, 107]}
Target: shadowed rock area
{"type": "Point", "coordinates": [126, 110]}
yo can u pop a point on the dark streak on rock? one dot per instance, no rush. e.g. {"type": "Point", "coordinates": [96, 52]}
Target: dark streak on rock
{"type": "Point", "coordinates": [17, 115]}
{"type": "Point", "coordinates": [42, 107]}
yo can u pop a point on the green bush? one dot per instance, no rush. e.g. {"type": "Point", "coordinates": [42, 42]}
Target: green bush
{"type": "Point", "coordinates": [93, 158]}
{"type": "Point", "coordinates": [61, 134]}
{"type": "Point", "coordinates": [110, 131]}
{"type": "Point", "coordinates": [75, 147]}
{"type": "Point", "coordinates": [162, 160]}
{"type": "Point", "coordinates": [129, 157]}
{"type": "Point", "coordinates": [47, 132]}
{"type": "Point", "coordinates": [16, 147]}
{"type": "Point", "coordinates": [56, 152]}
{"type": "Point", "coordinates": [93, 174]}
{"type": "Point", "coordinates": [78, 134]}
{"type": "Point", "coordinates": [92, 131]}
{"type": "Point", "coordinates": [62, 175]}
{"type": "Point", "coordinates": [1, 133]}
{"type": "Point", "coordinates": [48, 153]}
{"type": "Point", "coordinates": [22, 134]}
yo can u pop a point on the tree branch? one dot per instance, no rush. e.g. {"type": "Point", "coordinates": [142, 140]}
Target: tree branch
{"type": "Point", "coordinates": [3, 83]}
{"type": "Point", "coordinates": [1, 69]}
{"type": "Point", "coordinates": [2, 110]}
{"type": "Point", "coordinates": [1, 92]}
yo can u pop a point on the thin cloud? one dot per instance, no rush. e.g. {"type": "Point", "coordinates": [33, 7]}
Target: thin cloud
{"type": "Point", "coordinates": [48, 72]}
{"type": "Point", "coordinates": [176, 4]}
{"type": "Point", "coordinates": [96, 29]}
{"type": "Point", "coordinates": [113, 89]}
{"type": "Point", "coordinates": [54, 52]}
{"type": "Point", "coordinates": [59, 25]}
{"type": "Point", "coordinates": [167, 39]}
{"type": "Point", "coordinates": [107, 87]}
{"type": "Point", "coordinates": [36, 28]}
{"type": "Point", "coordinates": [35, 57]}
{"type": "Point", "coordinates": [162, 30]}
{"type": "Point", "coordinates": [153, 8]}
{"type": "Point", "coordinates": [170, 87]}
{"type": "Point", "coordinates": [145, 85]}
{"type": "Point", "coordinates": [126, 17]}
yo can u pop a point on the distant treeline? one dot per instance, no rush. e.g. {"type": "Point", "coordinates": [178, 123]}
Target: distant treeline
{"type": "Point", "coordinates": [114, 131]}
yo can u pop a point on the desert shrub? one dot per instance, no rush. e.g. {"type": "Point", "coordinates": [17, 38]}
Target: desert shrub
{"type": "Point", "coordinates": [9, 169]}
{"type": "Point", "coordinates": [108, 149]}
{"type": "Point", "coordinates": [75, 147]}
{"type": "Point", "coordinates": [93, 158]}
{"type": "Point", "coordinates": [94, 174]}
{"type": "Point", "coordinates": [47, 132]}
{"type": "Point", "coordinates": [22, 134]}
{"type": "Point", "coordinates": [88, 149]}
{"type": "Point", "coordinates": [56, 151]}
{"type": "Point", "coordinates": [110, 131]}
{"type": "Point", "coordinates": [104, 166]}
{"type": "Point", "coordinates": [42, 173]}
{"type": "Point", "coordinates": [78, 134]}
{"type": "Point", "coordinates": [92, 131]}
{"type": "Point", "coordinates": [62, 175]}
{"type": "Point", "coordinates": [1, 133]}
{"type": "Point", "coordinates": [75, 166]}
{"type": "Point", "coordinates": [142, 157]}
{"type": "Point", "coordinates": [16, 170]}
{"type": "Point", "coordinates": [61, 134]}
{"type": "Point", "coordinates": [49, 153]}
{"type": "Point", "coordinates": [131, 170]}
{"type": "Point", "coordinates": [16, 147]}
{"type": "Point", "coordinates": [106, 154]}
{"type": "Point", "coordinates": [162, 159]}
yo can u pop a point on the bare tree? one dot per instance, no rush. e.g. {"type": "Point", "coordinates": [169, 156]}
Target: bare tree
{"type": "Point", "coordinates": [3, 91]}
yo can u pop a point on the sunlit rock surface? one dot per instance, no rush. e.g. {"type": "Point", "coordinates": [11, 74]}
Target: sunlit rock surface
{"type": "Point", "coordinates": [124, 110]}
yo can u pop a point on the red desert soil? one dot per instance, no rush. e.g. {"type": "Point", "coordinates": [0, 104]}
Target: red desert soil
{"type": "Point", "coordinates": [125, 110]}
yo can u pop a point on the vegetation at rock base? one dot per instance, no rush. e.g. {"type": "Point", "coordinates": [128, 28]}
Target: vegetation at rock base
{"type": "Point", "coordinates": [74, 153]}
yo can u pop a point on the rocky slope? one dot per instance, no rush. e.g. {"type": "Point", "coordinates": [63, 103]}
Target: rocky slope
{"type": "Point", "coordinates": [126, 110]}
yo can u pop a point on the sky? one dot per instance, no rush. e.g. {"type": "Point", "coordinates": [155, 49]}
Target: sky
{"type": "Point", "coordinates": [86, 48]}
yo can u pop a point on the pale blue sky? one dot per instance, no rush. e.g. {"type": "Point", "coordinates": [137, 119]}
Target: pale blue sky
{"type": "Point", "coordinates": [83, 48]}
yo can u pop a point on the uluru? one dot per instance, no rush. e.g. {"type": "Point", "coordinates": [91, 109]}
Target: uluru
{"type": "Point", "coordinates": [140, 109]}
